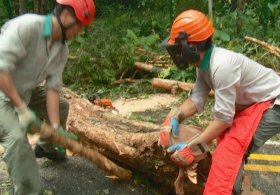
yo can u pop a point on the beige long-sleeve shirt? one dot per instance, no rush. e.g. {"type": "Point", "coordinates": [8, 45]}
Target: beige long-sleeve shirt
{"type": "Point", "coordinates": [26, 55]}
{"type": "Point", "coordinates": [237, 81]}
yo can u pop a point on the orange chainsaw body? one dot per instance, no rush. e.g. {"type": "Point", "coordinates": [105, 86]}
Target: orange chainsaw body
{"type": "Point", "coordinates": [105, 103]}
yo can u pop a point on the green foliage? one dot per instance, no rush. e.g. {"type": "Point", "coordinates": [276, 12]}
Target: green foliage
{"type": "Point", "coordinates": [147, 43]}
{"type": "Point", "coordinates": [109, 49]}
{"type": "Point", "coordinates": [135, 116]}
{"type": "Point", "coordinates": [4, 15]}
{"type": "Point", "coordinates": [221, 37]}
{"type": "Point", "coordinates": [174, 74]}
{"type": "Point", "coordinates": [112, 56]}
{"type": "Point", "coordinates": [180, 6]}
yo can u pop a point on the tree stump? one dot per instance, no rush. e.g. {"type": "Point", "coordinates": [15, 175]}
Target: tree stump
{"type": "Point", "coordinates": [130, 144]}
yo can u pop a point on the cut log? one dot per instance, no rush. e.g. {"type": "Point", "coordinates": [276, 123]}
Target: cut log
{"type": "Point", "coordinates": [146, 67]}
{"type": "Point", "coordinates": [46, 132]}
{"type": "Point", "coordinates": [173, 85]}
{"type": "Point", "coordinates": [130, 144]}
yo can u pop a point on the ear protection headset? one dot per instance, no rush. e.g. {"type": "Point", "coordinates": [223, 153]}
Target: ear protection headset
{"type": "Point", "coordinates": [189, 53]}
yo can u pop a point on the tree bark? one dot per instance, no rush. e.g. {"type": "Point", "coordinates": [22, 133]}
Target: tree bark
{"type": "Point", "coordinates": [173, 85]}
{"type": "Point", "coordinates": [44, 7]}
{"type": "Point", "coordinates": [37, 6]}
{"type": "Point", "coordinates": [147, 67]}
{"type": "Point", "coordinates": [40, 6]}
{"type": "Point", "coordinates": [16, 7]}
{"type": "Point", "coordinates": [131, 144]}
{"type": "Point", "coordinates": [22, 7]}
{"type": "Point", "coordinates": [70, 142]}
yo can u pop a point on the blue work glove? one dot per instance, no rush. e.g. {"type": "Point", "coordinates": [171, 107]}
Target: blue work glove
{"type": "Point", "coordinates": [26, 117]}
{"type": "Point", "coordinates": [176, 147]}
{"type": "Point", "coordinates": [186, 154]}
{"type": "Point", "coordinates": [170, 127]}
{"type": "Point", "coordinates": [173, 123]}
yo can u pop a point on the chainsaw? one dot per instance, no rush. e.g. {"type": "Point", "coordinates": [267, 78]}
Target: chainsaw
{"type": "Point", "coordinates": [104, 103]}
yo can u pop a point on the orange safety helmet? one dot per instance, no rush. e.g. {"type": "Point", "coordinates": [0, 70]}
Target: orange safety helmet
{"type": "Point", "coordinates": [84, 9]}
{"type": "Point", "coordinates": [193, 23]}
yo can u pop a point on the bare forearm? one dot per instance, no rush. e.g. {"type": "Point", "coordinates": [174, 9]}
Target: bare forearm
{"type": "Point", "coordinates": [53, 106]}
{"type": "Point", "coordinates": [8, 87]}
{"type": "Point", "coordinates": [214, 129]}
{"type": "Point", "coordinates": [188, 108]}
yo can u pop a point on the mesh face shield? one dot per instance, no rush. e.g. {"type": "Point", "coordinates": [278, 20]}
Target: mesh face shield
{"type": "Point", "coordinates": [175, 53]}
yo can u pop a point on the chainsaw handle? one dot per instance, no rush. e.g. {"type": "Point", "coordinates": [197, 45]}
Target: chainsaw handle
{"type": "Point", "coordinates": [93, 97]}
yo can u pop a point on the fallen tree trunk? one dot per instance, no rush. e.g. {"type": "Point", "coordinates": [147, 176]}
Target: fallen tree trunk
{"type": "Point", "coordinates": [130, 144]}
{"type": "Point", "coordinates": [173, 85]}
{"type": "Point", "coordinates": [46, 132]}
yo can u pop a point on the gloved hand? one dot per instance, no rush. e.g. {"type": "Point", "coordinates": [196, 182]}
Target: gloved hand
{"type": "Point", "coordinates": [170, 127]}
{"type": "Point", "coordinates": [26, 117]}
{"type": "Point", "coordinates": [186, 153]}
{"type": "Point", "coordinates": [61, 131]}
{"type": "Point", "coordinates": [176, 147]}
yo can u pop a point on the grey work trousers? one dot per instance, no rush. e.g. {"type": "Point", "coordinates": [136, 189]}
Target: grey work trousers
{"type": "Point", "coordinates": [18, 155]}
{"type": "Point", "coordinates": [267, 128]}
{"type": "Point", "coordinates": [38, 105]}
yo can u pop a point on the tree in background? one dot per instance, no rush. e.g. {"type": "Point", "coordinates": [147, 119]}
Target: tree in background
{"type": "Point", "coordinates": [40, 6]}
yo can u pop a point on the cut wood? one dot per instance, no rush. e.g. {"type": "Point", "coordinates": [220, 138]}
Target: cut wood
{"type": "Point", "coordinates": [130, 144]}
{"type": "Point", "coordinates": [146, 67]}
{"type": "Point", "coordinates": [173, 85]}
{"type": "Point", "coordinates": [46, 132]}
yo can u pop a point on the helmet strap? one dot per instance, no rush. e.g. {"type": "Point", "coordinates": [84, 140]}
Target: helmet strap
{"type": "Point", "coordinates": [189, 53]}
{"type": "Point", "coordinates": [61, 26]}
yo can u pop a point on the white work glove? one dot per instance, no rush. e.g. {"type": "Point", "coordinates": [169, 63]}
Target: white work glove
{"type": "Point", "coordinates": [26, 117]}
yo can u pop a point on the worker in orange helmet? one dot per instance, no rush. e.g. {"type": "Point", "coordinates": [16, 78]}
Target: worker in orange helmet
{"type": "Point", "coordinates": [246, 110]}
{"type": "Point", "coordinates": [33, 49]}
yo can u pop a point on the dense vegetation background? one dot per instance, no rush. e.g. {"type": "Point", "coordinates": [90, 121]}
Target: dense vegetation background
{"type": "Point", "coordinates": [125, 31]}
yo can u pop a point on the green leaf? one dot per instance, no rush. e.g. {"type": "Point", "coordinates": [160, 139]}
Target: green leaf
{"type": "Point", "coordinates": [155, 69]}
{"type": "Point", "coordinates": [165, 73]}
{"type": "Point", "coordinates": [223, 35]}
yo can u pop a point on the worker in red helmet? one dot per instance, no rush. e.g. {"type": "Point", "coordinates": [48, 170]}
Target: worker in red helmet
{"type": "Point", "coordinates": [246, 110]}
{"type": "Point", "coordinates": [33, 51]}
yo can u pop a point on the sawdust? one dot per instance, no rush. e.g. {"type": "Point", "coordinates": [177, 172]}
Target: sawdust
{"type": "Point", "coordinates": [153, 102]}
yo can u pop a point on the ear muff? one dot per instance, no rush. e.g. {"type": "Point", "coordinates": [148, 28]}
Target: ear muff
{"type": "Point", "coordinates": [189, 53]}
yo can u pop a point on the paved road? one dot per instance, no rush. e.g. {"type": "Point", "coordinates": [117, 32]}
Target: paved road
{"type": "Point", "coordinates": [264, 167]}
{"type": "Point", "coordinates": [78, 176]}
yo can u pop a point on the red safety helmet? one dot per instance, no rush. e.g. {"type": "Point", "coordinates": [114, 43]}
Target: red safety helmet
{"type": "Point", "coordinates": [193, 23]}
{"type": "Point", "coordinates": [84, 9]}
